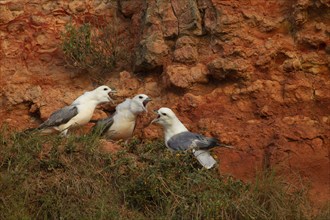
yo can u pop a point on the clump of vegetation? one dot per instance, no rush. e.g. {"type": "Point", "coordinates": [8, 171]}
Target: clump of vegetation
{"type": "Point", "coordinates": [167, 186]}
{"type": "Point", "coordinates": [52, 177]}
{"type": "Point", "coordinates": [94, 46]}
{"type": "Point", "coordinates": [69, 178]}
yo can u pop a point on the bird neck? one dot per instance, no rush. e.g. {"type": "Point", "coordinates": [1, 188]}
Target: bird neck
{"type": "Point", "coordinates": [87, 97]}
{"type": "Point", "coordinates": [174, 128]}
{"type": "Point", "coordinates": [136, 108]}
{"type": "Point", "coordinates": [87, 107]}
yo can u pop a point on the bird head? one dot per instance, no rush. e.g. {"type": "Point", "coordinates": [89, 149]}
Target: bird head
{"type": "Point", "coordinates": [139, 103]}
{"type": "Point", "coordinates": [102, 94]}
{"type": "Point", "coordinates": [166, 117]}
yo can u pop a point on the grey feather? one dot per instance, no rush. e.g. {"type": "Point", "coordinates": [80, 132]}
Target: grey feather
{"type": "Point", "coordinates": [60, 117]}
{"type": "Point", "coordinates": [188, 140]}
{"type": "Point", "coordinates": [103, 125]}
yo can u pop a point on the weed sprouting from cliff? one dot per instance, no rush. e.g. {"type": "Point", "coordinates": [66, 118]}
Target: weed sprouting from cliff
{"type": "Point", "coordinates": [69, 178]}
{"type": "Point", "coordinates": [94, 45]}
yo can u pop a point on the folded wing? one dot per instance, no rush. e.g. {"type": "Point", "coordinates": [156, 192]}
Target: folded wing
{"type": "Point", "coordinates": [60, 117]}
{"type": "Point", "coordinates": [103, 125]}
{"type": "Point", "coordinates": [188, 140]}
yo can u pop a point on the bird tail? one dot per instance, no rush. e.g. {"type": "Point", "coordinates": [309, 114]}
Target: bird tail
{"type": "Point", "coordinates": [219, 144]}
{"type": "Point", "coordinates": [30, 130]}
{"type": "Point", "coordinates": [42, 126]}
{"type": "Point", "coordinates": [205, 158]}
{"type": "Point", "coordinates": [101, 126]}
{"type": "Point", "coordinates": [226, 146]}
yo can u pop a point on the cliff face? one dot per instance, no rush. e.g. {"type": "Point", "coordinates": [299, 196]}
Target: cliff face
{"type": "Point", "coordinates": [253, 73]}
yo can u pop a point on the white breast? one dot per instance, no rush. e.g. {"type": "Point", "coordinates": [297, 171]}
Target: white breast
{"type": "Point", "coordinates": [175, 128]}
{"type": "Point", "coordinates": [123, 126]}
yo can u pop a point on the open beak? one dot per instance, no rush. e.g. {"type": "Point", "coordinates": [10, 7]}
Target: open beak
{"type": "Point", "coordinates": [145, 102]}
{"type": "Point", "coordinates": [109, 96]}
{"type": "Point", "coordinates": [156, 119]}
{"type": "Point", "coordinates": [113, 91]}
{"type": "Point", "coordinates": [111, 100]}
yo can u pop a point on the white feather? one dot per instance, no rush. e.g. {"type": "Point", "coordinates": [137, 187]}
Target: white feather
{"type": "Point", "coordinates": [173, 126]}
{"type": "Point", "coordinates": [125, 117]}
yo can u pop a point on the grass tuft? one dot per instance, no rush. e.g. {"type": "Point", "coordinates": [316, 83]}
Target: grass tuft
{"type": "Point", "coordinates": [94, 46]}
{"type": "Point", "coordinates": [51, 177]}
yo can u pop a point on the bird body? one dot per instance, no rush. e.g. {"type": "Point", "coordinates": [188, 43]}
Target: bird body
{"type": "Point", "coordinates": [178, 138]}
{"type": "Point", "coordinates": [84, 115]}
{"type": "Point", "coordinates": [188, 140]}
{"type": "Point", "coordinates": [176, 128]}
{"type": "Point", "coordinates": [122, 124]}
{"type": "Point", "coordinates": [79, 112]}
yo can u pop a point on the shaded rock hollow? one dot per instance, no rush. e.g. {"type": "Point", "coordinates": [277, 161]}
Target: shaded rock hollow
{"type": "Point", "coordinates": [254, 74]}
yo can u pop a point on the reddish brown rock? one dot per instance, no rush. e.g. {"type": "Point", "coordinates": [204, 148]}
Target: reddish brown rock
{"type": "Point", "coordinates": [130, 7]}
{"type": "Point", "coordinates": [16, 94]}
{"type": "Point", "coordinates": [221, 68]}
{"type": "Point", "coordinates": [265, 89]}
{"type": "Point", "coordinates": [185, 50]}
{"type": "Point", "coordinates": [152, 52]}
{"type": "Point", "coordinates": [127, 85]}
{"type": "Point", "coordinates": [186, 54]}
{"type": "Point", "coordinates": [168, 19]}
{"type": "Point", "coordinates": [77, 6]}
{"type": "Point", "coordinates": [183, 76]}
{"type": "Point", "coordinates": [188, 15]}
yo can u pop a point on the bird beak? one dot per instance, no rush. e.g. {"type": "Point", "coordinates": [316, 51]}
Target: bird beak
{"type": "Point", "coordinates": [111, 100]}
{"type": "Point", "coordinates": [109, 95]}
{"type": "Point", "coordinates": [145, 102]}
{"type": "Point", "coordinates": [156, 119]}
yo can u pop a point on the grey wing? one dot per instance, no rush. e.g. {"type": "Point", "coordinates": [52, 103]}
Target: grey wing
{"type": "Point", "coordinates": [103, 125]}
{"type": "Point", "coordinates": [189, 140]}
{"type": "Point", "coordinates": [60, 117]}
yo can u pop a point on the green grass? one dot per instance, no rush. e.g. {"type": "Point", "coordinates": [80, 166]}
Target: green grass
{"type": "Point", "coordinates": [94, 46]}
{"type": "Point", "coordinates": [51, 177]}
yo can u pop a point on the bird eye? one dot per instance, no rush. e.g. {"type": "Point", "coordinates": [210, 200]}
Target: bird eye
{"type": "Point", "coordinates": [164, 114]}
{"type": "Point", "coordinates": [105, 89]}
{"type": "Point", "coordinates": [140, 97]}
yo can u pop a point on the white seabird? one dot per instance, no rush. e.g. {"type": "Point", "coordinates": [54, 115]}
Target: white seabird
{"type": "Point", "coordinates": [121, 125]}
{"type": "Point", "coordinates": [178, 138]}
{"type": "Point", "coordinates": [79, 112]}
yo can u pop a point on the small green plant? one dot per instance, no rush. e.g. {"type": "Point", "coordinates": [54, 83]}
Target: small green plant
{"type": "Point", "coordinates": [94, 46]}
{"type": "Point", "coordinates": [54, 177]}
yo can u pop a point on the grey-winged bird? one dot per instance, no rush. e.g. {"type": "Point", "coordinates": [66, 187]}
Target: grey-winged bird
{"type": "Point", "coordinates": [79, 112]}
{"type": "Point", "coordinates": [122, 124]}
{"type": "Point", "coordinates": [178, 138]}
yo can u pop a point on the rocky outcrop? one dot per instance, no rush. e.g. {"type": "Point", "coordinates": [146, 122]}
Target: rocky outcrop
{"type": "Point", "coordinates": [151, 52]}
{"type": "Point", "coordinates": [253, 74]}
{"type": "Point", "coordinates": [185, 50]}
{"type": "Point", "coordinates": [221, 68]}
{"type": "Point", "coordinates": [183, 77]}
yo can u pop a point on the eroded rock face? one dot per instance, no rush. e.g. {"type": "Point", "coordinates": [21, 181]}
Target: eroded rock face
{"type": "Point", "coordinates": [151, 53]}
{"type": "Point", "coordinates": [246, 74]}
{"type": "Point", "coordinates": [185, 50]}
{"type": "Point", "coordinates": [235, 68]}
{"type": "Point", "coordinates": [184, 77]}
